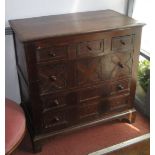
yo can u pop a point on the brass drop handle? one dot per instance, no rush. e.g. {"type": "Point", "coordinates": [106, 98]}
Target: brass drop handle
{"type": "Point", "coordinates": [89, 47]}
{"type": "Point", "coordinates": [120, 65]}
{"type": "Point", "coordinates": [55, 86]}
{"type": "Point", "coordinates": [53, 77]}
{"type": "Point", "coordinates": [122, 42]}
{"type": "Point", "coordinates": [39, 47]}
{"type": "Point", "coordinates": [52, 54]}
{"type": "Point", "coordinates": [120, 87]}
{"type": "Point", "coordinates": [56, 119]}
{"type": "Point", "coordinates": [56, 102]}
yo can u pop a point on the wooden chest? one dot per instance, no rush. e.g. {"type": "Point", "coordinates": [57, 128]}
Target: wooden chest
{"type": "Point", "coordinates": [76, 70]}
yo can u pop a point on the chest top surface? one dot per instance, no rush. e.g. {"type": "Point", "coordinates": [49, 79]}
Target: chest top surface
{"type": "Point", "coordinates": [29, 29]}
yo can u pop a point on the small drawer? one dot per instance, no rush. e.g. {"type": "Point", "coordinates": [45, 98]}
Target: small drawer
{"type": "Point", "coordinates": [52, 102]}
{"type": "Point", "coordinates": [52, 77]}
{"type": "Point", "coordinates": [122, 43]}
{"type": "Point", "coordinates": [89, 109]}
{"type": "Point", "coordinates": [118, 65]}
{"type": "Point", "coordinates": [51, 53]}
{"type": "Point", "coordinates": [120, 86]}
{"type": "Point", "coordinates": [89, 71]}
{"type": "Point", "coordinates": [55, 121]}
{"type": "Point", "coordinates": [90, 48]}
{"type": "Point", "coordinates": [115, 103]}
{"type": "Point", "coordinates": [61, 100]}
{"type": "Point", "coordinates": [120, 102]}
{"type": "Point", "coordinates": [59, 119]}
{"type": "Point", "coordinates": [94, 92]}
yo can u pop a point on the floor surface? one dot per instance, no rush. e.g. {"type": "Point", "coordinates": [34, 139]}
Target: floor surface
{"type": "Point", "coordinates": [88, 140]}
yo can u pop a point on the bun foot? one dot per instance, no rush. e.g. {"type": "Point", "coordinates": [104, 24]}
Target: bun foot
{"type": "Point", "coordinates": [129, 117]}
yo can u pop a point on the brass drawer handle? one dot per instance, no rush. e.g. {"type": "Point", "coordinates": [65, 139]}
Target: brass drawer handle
{"type": "Point", "coordinates": [39, 47]}
{"type": "Point", "coordinates": [56, 102]}
{"type": "Point", "coordinates": [89, 47]}
{"type": "Point", "coordinates": [122, 42]}
{"type": "Point", "coordinates": [52, 54]}
{"type": "Point", "coordinates": [56, 119]}
{"type": "Point", "coordinates": [120, 65]}
{"type": "Point", "coordinates": [57, 87]}
{"type": "Point", "coordinates": [53, 77]}
{"type": "Point", "coordinates": [120, 87]}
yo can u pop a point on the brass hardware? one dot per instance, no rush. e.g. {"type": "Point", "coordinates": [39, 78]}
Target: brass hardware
{"type": "Point", "coordinates": [120, 65]}
{"type": "Point", "coordinates": [56, 119]}
{"type": "Point", "coordinates": [57, 87]}
{"type": "Point", "coordinates": [53, 77]}
{"type": "Point", "coordinates": [56, 102]}
{"type": "Point", "coordinates": [120, 87]}
{"type": "Point", "coordinates": [89, 48]}
{"type": "Point", "coordinates": [39, 47]}
{"type": "Point", "coordinates": [122, 42]}
{"type": "Point", "coordinates": [52, 54]}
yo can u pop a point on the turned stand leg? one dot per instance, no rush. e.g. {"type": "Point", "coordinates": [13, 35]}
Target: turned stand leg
{"type": "Point", "coordinates": [37, 146]}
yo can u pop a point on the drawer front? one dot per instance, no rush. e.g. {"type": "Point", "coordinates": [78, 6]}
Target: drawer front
{"type": "Point", "coordinates": [89, 109]}
{"type": "Point", "coordinates": [51, 53]}
{"type": "Point", "coordinates": [118, 65]}
{"type": "Point", "coordinates": [115, 103]}
{"type": "Point", "coordinates": [89, 71]}
{"type": "Point", "coordinates": [120, 86]}
{"type": "Point", "coordinates": [58, 101]}
{"type": "Point", "coordinates": [57, 120]}
{"type": "Point", "coordinates": [50, 102]}
{"type": "Point", "coordinates": [52, 77]}
{"type": "Point", "coordinates": [122, 43]}
{"type": "Point", "coordinates": [119, 102]}
{"type": "Point", "coordinates": [94, 93]}
{"type": "Point", "coordinates": [90, 48]}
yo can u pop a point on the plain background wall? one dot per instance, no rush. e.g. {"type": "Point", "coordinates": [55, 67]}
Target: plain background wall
{"type": "Point", "coordinates": [31, 8]}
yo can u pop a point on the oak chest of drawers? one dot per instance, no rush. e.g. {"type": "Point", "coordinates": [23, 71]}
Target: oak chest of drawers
{"type": "Point", "coordinates": [76, 70]}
